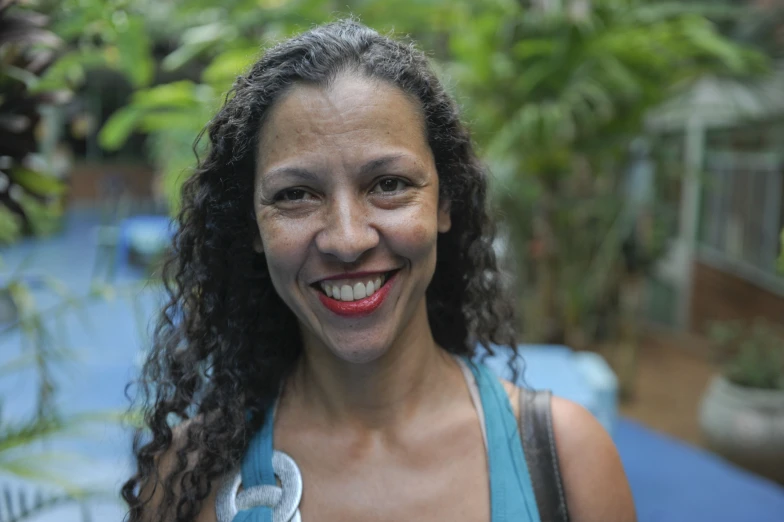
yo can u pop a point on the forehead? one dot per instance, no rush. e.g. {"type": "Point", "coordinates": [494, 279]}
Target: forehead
{"type": "Point", "coordinates": [348, 120]}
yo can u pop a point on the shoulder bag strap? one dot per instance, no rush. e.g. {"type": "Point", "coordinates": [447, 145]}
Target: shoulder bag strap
{"type": "Point", "coordinates": [536, 434]}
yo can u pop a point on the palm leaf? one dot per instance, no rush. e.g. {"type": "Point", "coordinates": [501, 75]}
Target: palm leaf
{"type": "Point", "coordinates": [23, 503]}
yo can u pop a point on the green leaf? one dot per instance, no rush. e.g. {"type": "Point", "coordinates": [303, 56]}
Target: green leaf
{"type": "Point", "coordinates": [37, 182]}
{"type": "Point", "coordinates": [44, 217]}
{"type": "Point", "coordinates": [69, 70]}
{"type": "Point", "coordinates": [526, 49]}
{"type": "Point", "coordinates": [195, 41]}
{"type": "Point", "coordinates": [118, 127]}
{"type": "Point", "coordinates": [225, 67]}
{"type": "Point", "coordinates": [10, 226]}
{"type": "Point", "coordinates": [189, 121]}
{"type": "Point", "coordinates": [135, 50]}
{"type": "Point", "coordinates": [713, 44]}
{"type": "Point", "coordinates": [38, 468]}
{"type": "Point", "coordinates": [180, 94]}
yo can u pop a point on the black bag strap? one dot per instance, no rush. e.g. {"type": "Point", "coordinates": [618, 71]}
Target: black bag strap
{"type": "Point", "coordinates": [536, 434]}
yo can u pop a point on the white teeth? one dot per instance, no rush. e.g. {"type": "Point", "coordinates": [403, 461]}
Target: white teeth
{"type": "Point", "coordinates": [349, 292]}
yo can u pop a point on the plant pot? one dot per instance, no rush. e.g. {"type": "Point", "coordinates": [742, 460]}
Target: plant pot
{"type": "Point", "coordinates": [745, 425]}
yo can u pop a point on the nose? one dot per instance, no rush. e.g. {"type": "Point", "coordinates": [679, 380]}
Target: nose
{"type": "Point", "coordinates": [347, 232]}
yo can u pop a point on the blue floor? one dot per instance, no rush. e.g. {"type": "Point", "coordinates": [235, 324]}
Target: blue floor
{"type": "Point", "coordinates": [671, 481]}
{"type": "Point", "coordinates": [675, 482]}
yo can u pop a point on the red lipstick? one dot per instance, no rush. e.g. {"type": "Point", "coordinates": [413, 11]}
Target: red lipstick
{"type": "Point", "coordinates": [360, 307]}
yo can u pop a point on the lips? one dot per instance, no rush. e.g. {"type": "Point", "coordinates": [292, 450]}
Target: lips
{"type": "Point", "coordinates": [352, 306]}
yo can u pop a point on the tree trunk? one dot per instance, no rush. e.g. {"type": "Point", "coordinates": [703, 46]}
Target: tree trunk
{"type": "Point", "coordinates": [551, 329]}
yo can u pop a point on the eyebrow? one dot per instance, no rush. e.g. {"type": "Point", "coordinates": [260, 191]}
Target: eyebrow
{"type": "Point", "coordinates": [307, 175]}
{"type": "Point", "coordinates": [380, 163]}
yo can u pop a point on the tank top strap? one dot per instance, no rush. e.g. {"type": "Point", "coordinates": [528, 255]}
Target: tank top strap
{"type": "Point", "coordinates": [511, 491]}
{"type": "Point", "coordinates": [257, 468]}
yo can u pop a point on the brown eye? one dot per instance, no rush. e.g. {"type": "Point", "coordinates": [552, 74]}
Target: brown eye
{"type": "Point", "coordinates": [390, 185]}
{"type": "Point", "coordinates": [291, 195]}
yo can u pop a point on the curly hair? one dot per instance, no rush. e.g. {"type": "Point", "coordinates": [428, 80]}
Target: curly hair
{"type": "Point", "coordinates": [225, 341]}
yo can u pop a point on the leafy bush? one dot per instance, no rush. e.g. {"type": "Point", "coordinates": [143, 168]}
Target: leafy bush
{"type": "Point", "coordinates": [30, 195]}
{"type": "Point", "coordinates": [558, 97]}
{"type": "Point", "coordinates": [752, 356]}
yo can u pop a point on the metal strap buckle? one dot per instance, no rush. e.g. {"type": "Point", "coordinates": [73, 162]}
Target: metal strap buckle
{"type": "Point", "coordinates": [284, 499]}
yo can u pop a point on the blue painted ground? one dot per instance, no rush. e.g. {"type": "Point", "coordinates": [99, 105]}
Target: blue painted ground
{"type": "Point", "coordinates": [671, 481]}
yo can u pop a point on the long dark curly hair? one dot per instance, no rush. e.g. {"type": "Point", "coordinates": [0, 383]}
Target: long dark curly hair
{"type": "Point", "coordinates": [225, 340]}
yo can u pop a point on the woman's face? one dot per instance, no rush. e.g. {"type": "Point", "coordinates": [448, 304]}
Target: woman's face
{"type": "Point", "coordinates": [346, 201]}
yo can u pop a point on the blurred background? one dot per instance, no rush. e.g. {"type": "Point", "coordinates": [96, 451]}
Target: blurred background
{"type": "Point", "coordinates": [637, 154]}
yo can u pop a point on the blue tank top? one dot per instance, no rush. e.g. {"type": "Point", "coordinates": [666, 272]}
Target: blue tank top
{"type": "Point", "coordinates": [511, 492]}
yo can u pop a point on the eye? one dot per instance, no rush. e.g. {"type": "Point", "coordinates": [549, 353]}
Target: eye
{"type": "Point", "coordinates": [294, 194]}
{"type": "Point", "coordinates": [390, 185]}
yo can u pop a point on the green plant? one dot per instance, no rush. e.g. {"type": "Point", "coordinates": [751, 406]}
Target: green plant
{"type": "Point", "coordinates": [22, 456]}
{"type": "Point", "coordinates": [19, 506]}
{"type": "Point", "coordinates": [30, 193]}
{"type": "Point", "coordinates": [557, 97]}
{"type": "Point", "coordinates": [110, 34]}
{"type": "Point", "coordinates": [213, 46]}
{"type": "Point", "coordinates": [757, 24]}
{"type": "Point", "coordinates": [23, 442]}
{"type": "Point", "coordinates": [751, 355]}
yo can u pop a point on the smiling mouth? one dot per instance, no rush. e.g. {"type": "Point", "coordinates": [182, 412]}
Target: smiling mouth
{"type": "Point", "coordinates": [356, 289]}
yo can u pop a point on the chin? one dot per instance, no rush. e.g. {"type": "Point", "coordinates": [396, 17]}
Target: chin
{"type": "Point", "coordinates": [359, 353]}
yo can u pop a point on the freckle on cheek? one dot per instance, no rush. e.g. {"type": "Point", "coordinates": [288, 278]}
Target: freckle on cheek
{"type": "Point", "coordinates": [420, 233]}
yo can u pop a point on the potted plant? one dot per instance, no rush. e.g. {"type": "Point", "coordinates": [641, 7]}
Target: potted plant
{"type": "Point", "coordinates": [742, 411]}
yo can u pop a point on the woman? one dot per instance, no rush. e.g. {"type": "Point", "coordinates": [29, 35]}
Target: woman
{"type": "Point", "coordinates": [332, 276]}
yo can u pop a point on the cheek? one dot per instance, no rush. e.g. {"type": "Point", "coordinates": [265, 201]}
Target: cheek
{"type": "Point", "coordinates": [284, 247]}
{"type": "Point", "coordinates": [414, 235]}
{"type": "Point", "coordinates": [422, 234]}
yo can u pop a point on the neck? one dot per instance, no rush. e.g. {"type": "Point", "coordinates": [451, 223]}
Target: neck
{"type": "Point", "coordinates": [411, 375]}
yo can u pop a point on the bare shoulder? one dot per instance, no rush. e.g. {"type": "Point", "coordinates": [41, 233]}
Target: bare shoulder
{"type": "Point", "coordinates": [513, 393]}
{"type": "Point", "coordinates": [166, 464]}
{"type": "Point", "coordinates": [596, 486]}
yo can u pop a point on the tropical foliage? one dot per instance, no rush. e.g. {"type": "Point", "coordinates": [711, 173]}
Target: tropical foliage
{"type": "Point", "coordinates": [556, 96]}
{"type": "Point", "coordinates": [576, 87]}
{"type": "Point", "coordinates": [217, 44]}
{"type": "Point", "coordinates": [556, 92]}
{"type": "Point", "coordinates": [33, 477]}
{"type": "Point", "coordinates": [758, 24]}
{"type": "Point", "coordinates": [30, 192]}
{"type": "Point", "coordinates": [23, 454]}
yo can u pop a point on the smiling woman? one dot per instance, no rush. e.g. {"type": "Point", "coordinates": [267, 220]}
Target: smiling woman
{"type": "Point", "coordinates": [367, 211]}
{"type": "Point", "coordinates": [330, 280]}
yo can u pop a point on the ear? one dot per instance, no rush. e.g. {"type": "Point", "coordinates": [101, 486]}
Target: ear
{"type": "Point", "coordinates": [257, 246]}
{"type": "Point", "coordinates": [444, 216]}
